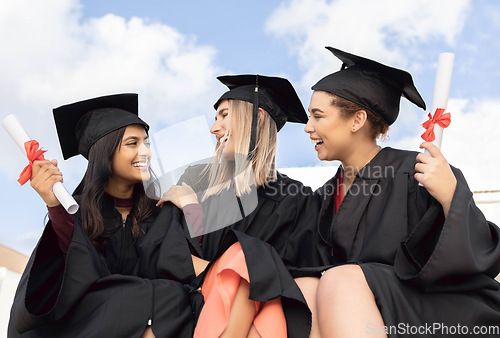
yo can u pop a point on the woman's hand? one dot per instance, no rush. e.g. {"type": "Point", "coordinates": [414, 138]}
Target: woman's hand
{"type": "Point", "coordinates": [180, 195]}
{"type": "Point", "coordinates": [199, 264]}
{"type": "Point", "coordinates": [436, 176]}
{"type": "Point", "coordinates": [44, 175]}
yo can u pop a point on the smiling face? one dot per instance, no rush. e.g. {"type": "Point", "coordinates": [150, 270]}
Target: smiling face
{"type": "Point", "coordinates": [221, 126]}
{"type": "Point", "coordinates": [132, 157]}
{"type": "Point", "coordinates": [329, 131]}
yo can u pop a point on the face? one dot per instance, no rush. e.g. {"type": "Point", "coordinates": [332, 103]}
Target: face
{"type": "Point", "coordinates": [329, 132]}
{"type": "Point", "coordinates": [132, 157]}
{"type": "Point", "coordinates": [220, 128]}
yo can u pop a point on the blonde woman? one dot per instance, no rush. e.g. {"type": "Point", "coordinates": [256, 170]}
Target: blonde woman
{"type": "Point", "coordinates": [273, 230]}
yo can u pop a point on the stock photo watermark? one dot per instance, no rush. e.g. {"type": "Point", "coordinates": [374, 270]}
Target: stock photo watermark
{"type": "Point", "coordinates": [434, 329]}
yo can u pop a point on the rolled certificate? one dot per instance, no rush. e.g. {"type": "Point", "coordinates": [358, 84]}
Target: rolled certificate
{"type": "Point", "coordinates": [19, 135]}
{"type": "Point", "coordinates": [441, 91]}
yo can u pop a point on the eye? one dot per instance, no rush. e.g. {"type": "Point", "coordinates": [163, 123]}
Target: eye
{"type": "Point", "coordinates": [147, 143]}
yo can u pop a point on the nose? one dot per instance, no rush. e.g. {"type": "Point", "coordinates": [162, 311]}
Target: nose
{"type": "Point", "coordinates": [215, 127]}
{"type": "Point", "coordinates": [144, 150]}
{"type": "Point", "coordinates": [309, 127]}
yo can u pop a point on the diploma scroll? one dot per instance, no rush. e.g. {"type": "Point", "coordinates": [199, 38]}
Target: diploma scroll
{"type": "Point", "coordinates": [441, 92]}
{"type": "Point", "coordinates": [20, 137]}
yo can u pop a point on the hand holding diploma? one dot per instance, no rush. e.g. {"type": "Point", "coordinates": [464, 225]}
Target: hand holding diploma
{"type": "Point", "coordinates": [43, 172]}
{"type": "Point", "coordinates": [434, 172]}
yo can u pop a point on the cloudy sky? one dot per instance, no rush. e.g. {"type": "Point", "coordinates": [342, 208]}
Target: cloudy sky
{"type": "Point", "coordinates": [56, 52]}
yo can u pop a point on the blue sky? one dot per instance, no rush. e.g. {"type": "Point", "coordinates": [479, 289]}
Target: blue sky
{"type": "Point", "coordinates": [170, 52]}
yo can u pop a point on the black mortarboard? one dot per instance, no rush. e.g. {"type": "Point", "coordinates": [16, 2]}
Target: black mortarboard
{"type": "Point", "coordinates": [80, 124]}
{"type": "Point", "coordinates": [275, 95]}
{"type": "Point", "coordinates": [370, 84]}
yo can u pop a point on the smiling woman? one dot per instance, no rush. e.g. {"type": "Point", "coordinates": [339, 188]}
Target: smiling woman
{"type": "Point", "coordinates": [131, 159]}
{"type": "Point", "coordinates": [83, 279]}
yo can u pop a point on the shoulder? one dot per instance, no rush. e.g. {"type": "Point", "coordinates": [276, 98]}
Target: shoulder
{"type": "Point", "coordinates": [284, 187]}
{"type": "Point", "coordinates": [391, 161]}
{"type": "Point", "coordinates": [195, 176]}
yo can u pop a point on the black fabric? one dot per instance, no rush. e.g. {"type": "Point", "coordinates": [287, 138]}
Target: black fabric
{"type": "Point", "coordinates": [370, 84]}
{"type": "Point", "coordinates": [275, 95]}
{"type": "Point", "coordinates": [79, 125]}
{"type": "Point", "coordinates": [285, 217]}
{"type": "Point", "coordinates": [97, 294]}
{"type": "Point", "coordinates": [421, 267]}
{"type": "Point", "coordinates": [280, 230]}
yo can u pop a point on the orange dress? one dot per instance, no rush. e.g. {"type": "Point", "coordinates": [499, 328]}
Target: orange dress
{"type": "Point", "coordinates": [219, 290]}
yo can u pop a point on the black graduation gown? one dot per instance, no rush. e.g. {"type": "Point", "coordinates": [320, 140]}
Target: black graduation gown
{"type": "Point", "coordinates": [422, 268]}
{"type": "Point", "coordinates": [285, 216]}
{"type": "Point", "coordinates": [92, 294]}
{"type": "Point", "coordinates": [281, 229]}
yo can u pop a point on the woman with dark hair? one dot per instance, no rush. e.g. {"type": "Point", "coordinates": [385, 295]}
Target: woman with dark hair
{"type": "Point", "coordinates": [85, 278]}
{"type": "Point", "coordinates": [408, 259]}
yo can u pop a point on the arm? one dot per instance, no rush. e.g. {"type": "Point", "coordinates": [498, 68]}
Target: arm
{"type": "Point", "coordinates": [45, 174]}
{"type": "Point", "coordinates": [460, 250]}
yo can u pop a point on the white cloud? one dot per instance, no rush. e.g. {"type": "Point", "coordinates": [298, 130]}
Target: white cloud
{"type": "Point", "coordinates": [55, 57]}
{"type": "Point", "coordinates": [383, 30]}
{"type": "Point", "coordinates": [470, 143]}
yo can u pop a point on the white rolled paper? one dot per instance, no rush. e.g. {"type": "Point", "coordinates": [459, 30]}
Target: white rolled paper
{"type": "Point", "coordinates": [20, 137]}
{"type": "Point", "coordinates": [441, 91]}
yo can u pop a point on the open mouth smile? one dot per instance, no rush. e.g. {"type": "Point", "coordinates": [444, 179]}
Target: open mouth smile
{"type": "Point", "coordinates": [142, 164]}
{"type": "Point", "coordinates": [317, 143]}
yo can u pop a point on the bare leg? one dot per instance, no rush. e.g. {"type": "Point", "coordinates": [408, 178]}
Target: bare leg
{"type": "Point", "coordinates": [148, 333]}
{"type": "Point", "coordinates": [254, 333]}
{"type": "Point", "coordinates": [309, 286]}
{"type": "Point", "coordinates": [242, 313]}
{"type": "Point", "coordinates": [346, 305]}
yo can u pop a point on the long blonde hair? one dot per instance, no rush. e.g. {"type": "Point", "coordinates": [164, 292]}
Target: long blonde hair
{"type": "Point", "coordinates": [239, 173]}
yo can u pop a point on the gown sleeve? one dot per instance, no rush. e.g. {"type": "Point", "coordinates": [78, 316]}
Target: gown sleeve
{"type": "Point", "coordinates": [51, 285]}
{"type": "Point", "coordinates": [165, 252]}
{"type": "Point", "coordinates": [77, 296]}
{"type": "Point", "coordinates": [461, 252]}
{"type": "Point", "coordinates": [305, 252]}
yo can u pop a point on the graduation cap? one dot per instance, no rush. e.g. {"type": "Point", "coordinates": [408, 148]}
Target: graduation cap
{"type": "Point", "coordinates": [273, 94]}
{"type": "Point", "coordinates": [79, 125]}
{"type": "Point", "coordinates": [370, 84]}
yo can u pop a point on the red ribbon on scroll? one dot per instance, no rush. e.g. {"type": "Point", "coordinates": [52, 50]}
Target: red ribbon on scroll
{"type": "Point", "coordinates": [34, 154]}
{"type": "Point", "coordinates": [442, 120]}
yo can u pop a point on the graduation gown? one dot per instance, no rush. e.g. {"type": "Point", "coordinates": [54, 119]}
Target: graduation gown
{"type": "Point", "coordinates": [285, 216]}
{"type": "Point", "coordinates": [97, 293]}
{"type": "Point", "coordinates": [422, 268]}
{"type": "Point", "coordinates": [281, 230]}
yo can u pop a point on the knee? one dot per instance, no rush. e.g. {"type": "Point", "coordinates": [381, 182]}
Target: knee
{"type": "Point", "coordinates": [341, 280]}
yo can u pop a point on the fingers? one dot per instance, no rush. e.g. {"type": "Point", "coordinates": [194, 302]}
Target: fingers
{"type": "Point", "coordinates": [419, 167]}
{"type": "Point", "coordinates": [44, 175]}
{"type": "Point", "coordinates": [165, 198]}
{"type": "Point", "coordinates": [432, 149]}
{"type": "Point", "coordinates": [44, 171]}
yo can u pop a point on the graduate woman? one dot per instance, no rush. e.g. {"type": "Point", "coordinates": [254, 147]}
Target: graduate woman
{"type": "Point", "coordinates": [82, 279]}
{"type": "Point", "coordinates": [276, 229]}
{"type": "Point", "coordinates": [407, 257]}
